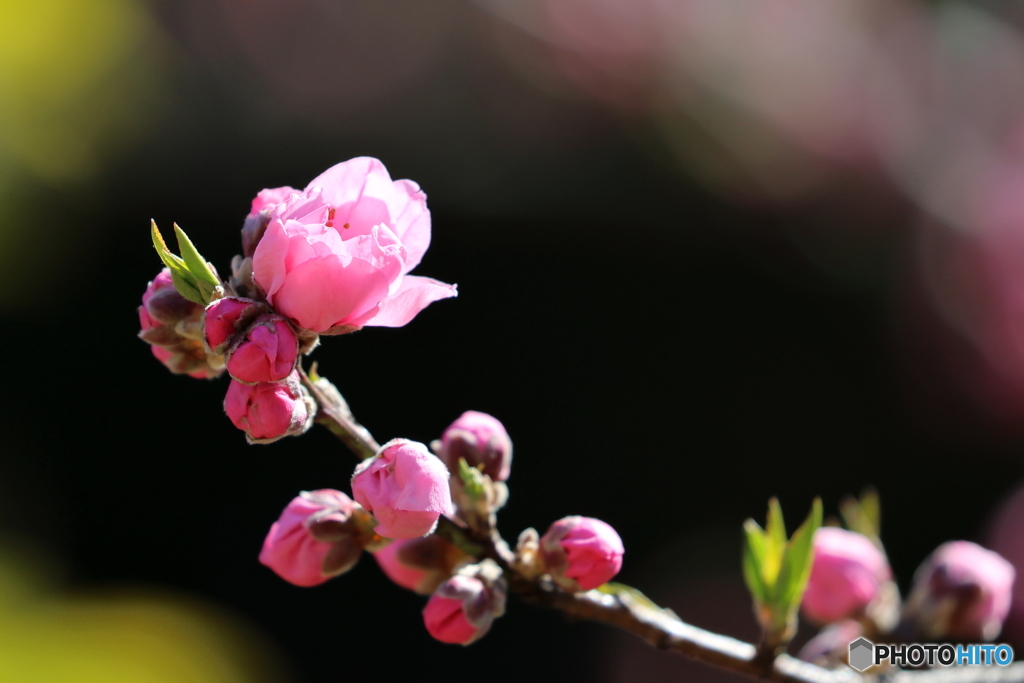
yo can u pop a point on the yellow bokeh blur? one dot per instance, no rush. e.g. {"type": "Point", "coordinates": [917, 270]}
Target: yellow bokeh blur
{"type": "Point", "coordinates": [118, 636]}
{"type": "Point", "coordinates": [65, 66]}
{"type": "Point", "coordinates": [79, 83]}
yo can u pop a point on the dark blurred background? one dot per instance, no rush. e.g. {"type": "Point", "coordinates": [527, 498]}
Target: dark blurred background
{"type": "Point", "coordinates": [707, 252]}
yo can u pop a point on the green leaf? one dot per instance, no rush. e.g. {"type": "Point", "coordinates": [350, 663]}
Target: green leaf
{"type": "Point", "coordinates": [472, 479]}
{"type": "Point", "coordinates": [864, 515]}
{"type": "Point", "coordinates": [796, 566]}
{"type": "Point", "coordinates": [755, 549]}
{"type": "Point", "coordinates": [197, 265]}
{"type": "Point", "coordinates": [775, 546]}
{"type": "Point", "coordinates": [186, 283]}
{"type": "Point", "coordinates": [613, 588]}
{"type": "Point", "coordinates": [871, 511]}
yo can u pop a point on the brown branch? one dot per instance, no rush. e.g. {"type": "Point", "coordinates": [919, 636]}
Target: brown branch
{"type": "Point", "coordinates": [630, 612]}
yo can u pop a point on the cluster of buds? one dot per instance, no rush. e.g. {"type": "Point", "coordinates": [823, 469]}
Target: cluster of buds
{"type": "Point", "coordinates": [398, 497]}
{"type": "Point", "coordinates": [329, 259]}
{"type": "Point", "coordinates": [961, 593]}
{"type": "Point", "coordinates": [266, 398]}
{"type": "Point", "coordinates": [173, 326]}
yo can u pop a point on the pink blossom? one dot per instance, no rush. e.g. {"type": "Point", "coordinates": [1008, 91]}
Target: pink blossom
{"type": "Point", "coordinates": [962, 591]}
{"type": "Point", "coordinates": [405, 487]}
{"type": "Point", "coordinates": [463, 608]}
{"type": "Point", "coordinates": [268, 198]}
{"type": "Point", "coordinates": [311, 543]}
{"type": "Point", "coordinates": [581, 553]}
{"type": "Point", "coordinates": [269, 410]}
{"type": "Point", "coordinates": [420, 564]}
{"type": "Point", "coordinates": [481, 440]}
{"type": "Point", "coordinates": [266, 353]}
{"type": "Point", "coordinates": [336, 256]}
{"type": "Point", "coordinates": [847, 573]}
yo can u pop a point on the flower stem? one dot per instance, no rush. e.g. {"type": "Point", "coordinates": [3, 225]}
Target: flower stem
{"type": "Point", "coordinates": [626, 608]}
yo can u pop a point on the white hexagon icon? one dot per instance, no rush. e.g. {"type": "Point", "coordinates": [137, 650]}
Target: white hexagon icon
{"type": "Point", "coordinates": [862, 654]}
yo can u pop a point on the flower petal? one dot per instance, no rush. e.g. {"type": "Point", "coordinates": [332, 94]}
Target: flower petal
{"type": "Point", "coordinates": [323, 291]}
{"type": "Point", "coordinates": [359, 190]}
{"type": "Point", "coordinates": [415, 294]}
{"type": "Point", "coordinates": [410, 220]}
{"type": "Point", "coordinates": [268, 261]}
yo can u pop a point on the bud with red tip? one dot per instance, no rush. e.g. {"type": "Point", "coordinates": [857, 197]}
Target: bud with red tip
{"type": "Point", "coordinates": [847, 574]}
{"type": "Point", "coordinates": [481, 440]}
{"type": "Point", "coordinates": [315, 539]}
{"type": "Point", "coordinates": [420, 564]}
{"type": "Point", "coordinates": [463, 608]}
{"type": "Point", "coordinates": [581, 553]}
{"type": "Point", "coordinates": [269, 411]}
{"type": "Point", "coordinates": [226, 319]}
{"type": "Point", "coordinates": [172, 325]}
{"type": "Point", "coordinates": [962, 592]}
{"type": "Point", "coordinates": [405, 486]}
{"type": "Point", "coordinates": [266, 352]}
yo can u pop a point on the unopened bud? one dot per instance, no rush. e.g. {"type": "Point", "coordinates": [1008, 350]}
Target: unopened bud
{"type": "Point", "coordinates": [265, 353]}
{"type": "Point", "coordinates": [252, 231]}
{"type": "Point", "coordinates": [314, 539]}
{"type": "Point", "coordinates": [171, 325]}
{"type": "Point", "coordinates": [227, 318]}
{"type": "Point", "coordinates": [479, 439]}
{"type": "Point", "coordinates": [463, 608]}
{"type": "Point", "coordinates": [847, 574]}
{"type": "Point", "coordinates": [269, 411]}
{"type": "Point", "coordinates": [581, 553]}
{"type": "Point", "coordinates": [406, 488]}
{"type": "Point", "coordinates": [961, 592]}
{"type": "Point", "coordinates": [420, 564]}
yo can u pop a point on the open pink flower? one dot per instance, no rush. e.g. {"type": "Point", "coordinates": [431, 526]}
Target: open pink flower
{"type": "Point", "coordinates": [336, 256]}
{"type": "Point", "coordinates": [846, 575]}
{"type": "Point", "coordinates": [405, 487]}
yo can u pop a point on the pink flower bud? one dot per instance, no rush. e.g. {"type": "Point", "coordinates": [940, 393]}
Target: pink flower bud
{"type": "Point", "coordinates": [420, 564]}
{"type": "Point", "coordinates": [313, 539]}
{"type": "Point", "coordinates": [463, 608]}
{"type": "Point", "coordinates": [259, 216]}
{"type": "Point", "coordinates": [481, 440]}
{"type": "Point", "coordinates": [172, 325]}
{"type": "Point", "coordinates": [270, 410]}
{"type": "Point", "coordinates": [266, 353]}
{"type": "Point", "coordinates": [405, 486]}
{"type": "Point", "coordinates": [581, 553]}
{"type": "Point", "coordinates": [847, 573]}
{"type": "Point", "coordinates": [226, 318]}
{"type": "Point", "coordinates": [962, 591]}
{"type": "Point", "coordinates": [336, 256]}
